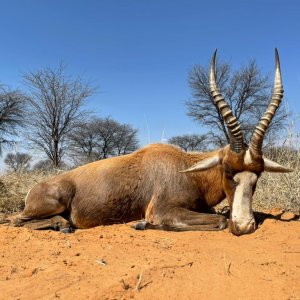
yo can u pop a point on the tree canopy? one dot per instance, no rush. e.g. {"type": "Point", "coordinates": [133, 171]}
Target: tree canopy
{"type": "Point", "coordinates": [12, 115]}
{"type": "Point", "coordinates": [190, 142]}
{"type": "Point", "coordinates": [56, 102]}
{"type": "Point", "coordinates": [247, 92]}
{"type": "Point", "coordinates": [101, 138]}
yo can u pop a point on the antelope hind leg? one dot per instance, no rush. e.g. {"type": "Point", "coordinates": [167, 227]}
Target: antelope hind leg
{"type": "Point", "coordinates": [5, 220]}
{"type": "Point", "coordinates": [186, 220]}
{"type": "Point", "coordinates": [56, 223]}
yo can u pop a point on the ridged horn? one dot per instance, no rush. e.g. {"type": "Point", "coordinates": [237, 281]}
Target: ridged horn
{"type": "Point", "coordinates": [260, 130]}
{"type": "Point", "coordinates": [234, 129]}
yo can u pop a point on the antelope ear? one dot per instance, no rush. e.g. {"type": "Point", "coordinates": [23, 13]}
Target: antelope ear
{"type": "Point", "coordinates": [204, 164]}
{"type": "Point", "coordinates": [272, 166]}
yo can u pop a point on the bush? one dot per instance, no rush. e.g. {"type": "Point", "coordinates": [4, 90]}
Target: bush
{"type": "Point", "coordinates": [275, 190]}
{"type": "Point", "coordinates": [15, 186]}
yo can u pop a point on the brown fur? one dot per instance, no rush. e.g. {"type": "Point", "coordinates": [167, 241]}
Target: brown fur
{"type": "Point", "coordinates": [146, 183]}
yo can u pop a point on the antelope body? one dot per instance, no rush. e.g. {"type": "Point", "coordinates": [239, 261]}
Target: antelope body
{"type": "Point", "coordinates": [169, 188]}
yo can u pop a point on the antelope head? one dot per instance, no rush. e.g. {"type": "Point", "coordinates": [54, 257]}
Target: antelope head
{"type": "Point", "coordinates": [242, 164]}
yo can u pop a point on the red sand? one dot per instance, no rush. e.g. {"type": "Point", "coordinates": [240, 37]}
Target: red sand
{"type": "Point", "coordinates": [117, 262]}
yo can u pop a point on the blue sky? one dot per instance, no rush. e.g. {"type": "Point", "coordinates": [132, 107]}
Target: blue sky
{"type": "Point", "coordinates": [139, 52]}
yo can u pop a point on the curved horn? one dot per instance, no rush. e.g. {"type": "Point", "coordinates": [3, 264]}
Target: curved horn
{"type": "Point", "coordinates": [260, 130]}
{"type": "Point", "coordinates": [234, 129]}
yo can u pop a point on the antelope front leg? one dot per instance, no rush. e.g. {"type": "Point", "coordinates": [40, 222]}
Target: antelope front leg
{"type": "Point", "coordinates": [56, 223]}
{"type": "Point", "coordinates": [185, 220]}
{"type": "Point", "coordinates": [6, 219]}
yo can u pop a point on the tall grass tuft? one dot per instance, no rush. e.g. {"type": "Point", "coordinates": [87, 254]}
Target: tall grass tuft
{"type": "Point", "coordinates": [282, 190]}
{"type": "Point", "coordinates": [14, 187]}
{"type": "Point", "coordinates": [275, 190]}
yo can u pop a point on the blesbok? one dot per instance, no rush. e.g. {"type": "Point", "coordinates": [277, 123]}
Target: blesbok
{"type": "Point", "coordinates": [170, 189]}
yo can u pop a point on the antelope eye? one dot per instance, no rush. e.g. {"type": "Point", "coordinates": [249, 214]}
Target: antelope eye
{"type": "Point", "coordinates": [229, 173]}
{"type": "Point", "coordinates": [235, 183]}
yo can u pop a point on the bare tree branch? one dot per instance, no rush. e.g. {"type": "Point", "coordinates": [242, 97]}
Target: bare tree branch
{"type": "Point", "coordinates": [12, 115]}
{"type": "Point", "coordinates": [56, 107]}
{"type": "Point", "coordinates": [102, 138]}
{"type": "Point", "coordinates": [18, 162]}
{"type": "Point", "coordinates": [247, 93]}
{"type": "Point", "coordinates": [190, 142]}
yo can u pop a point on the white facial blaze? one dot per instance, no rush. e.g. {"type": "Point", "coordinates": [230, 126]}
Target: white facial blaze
{"type": "Point", "coordinates": [247, 158]}
{"type": "Point", "coordinates": [242, 213]}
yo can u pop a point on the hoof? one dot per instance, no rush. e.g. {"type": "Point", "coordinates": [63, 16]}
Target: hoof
{"type": "Point", "coordinates": [5, 220]}
{"type": "Point", "coordinates": [16, 223]}
{"type": "Point", "coordinates": [223, 223]}
{"type": "Point", "coordinates": [67, 230]}
{"type": "Point", "coordinates": [140, 226]}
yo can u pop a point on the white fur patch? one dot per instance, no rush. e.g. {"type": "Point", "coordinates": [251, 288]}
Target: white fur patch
{"type": "Point", "coordinates": [242, 213]}
{"type": "Point", "coordinates": [248, 158]}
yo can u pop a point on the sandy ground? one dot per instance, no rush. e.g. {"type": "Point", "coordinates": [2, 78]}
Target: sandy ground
{"type": "Point", "coordinates": [117, 262]}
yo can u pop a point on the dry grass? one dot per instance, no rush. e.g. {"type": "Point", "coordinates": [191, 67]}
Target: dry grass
{"type": "Point", "coordinates": [15, 186]}
{"type": "Point", "coordinates": [273, 190]}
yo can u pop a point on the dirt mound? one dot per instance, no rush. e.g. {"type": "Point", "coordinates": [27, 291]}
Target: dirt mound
{"type": "Point", "coordinates": [116, 262]}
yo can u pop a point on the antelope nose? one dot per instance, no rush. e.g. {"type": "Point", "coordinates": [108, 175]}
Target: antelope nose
{"type": "Point", "coordinates": [243, 228]}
